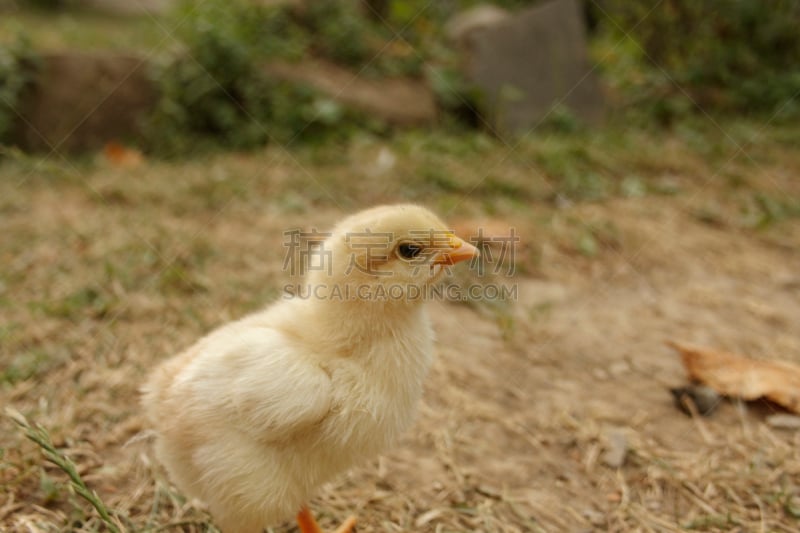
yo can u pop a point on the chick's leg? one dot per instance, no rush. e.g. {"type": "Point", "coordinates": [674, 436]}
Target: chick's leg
{"type": "Point", "coordinates": [348, 526]}
{"type": "Point", "coordinates": [308, 525]}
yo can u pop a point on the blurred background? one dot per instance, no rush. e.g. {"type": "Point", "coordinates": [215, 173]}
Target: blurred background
{"type": "Point", "coordinates": [240, 74]}
{"type": "Point", "coordinates": [154, 153]}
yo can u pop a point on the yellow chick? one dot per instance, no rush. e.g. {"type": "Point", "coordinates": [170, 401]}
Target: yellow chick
{"type": "Point", "coordinates": [256, 415]}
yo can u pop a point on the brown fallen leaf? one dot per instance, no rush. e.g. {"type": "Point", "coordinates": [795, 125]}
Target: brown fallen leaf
{"type": "Point", "coordinates": [121, 156]}
{"type": "Point", "coordinates": [742, 377]}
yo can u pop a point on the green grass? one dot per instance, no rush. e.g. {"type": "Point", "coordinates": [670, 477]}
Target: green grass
{"type": "Point", "coordinates": [41, 437]}
{"type": "Point", "coordinates": [77, 29]}
{"type": "Point", "coordinates": [484, 173]}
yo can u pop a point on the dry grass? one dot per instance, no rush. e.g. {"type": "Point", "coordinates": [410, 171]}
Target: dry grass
{"type": "Point", "coordinates": [107, 271]}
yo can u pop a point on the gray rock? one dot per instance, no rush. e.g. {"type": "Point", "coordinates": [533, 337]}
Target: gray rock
{"type": "Point", "coordinates": [81, 101]}
{"type": "Point", "coordinates": [616, 448]}
{"type": "Point", "coordinates": [704, 399]}
{"type": "Point", "coordinates": [784, 421]}
{"type": "Point", "coordinates": [463, 24]}
{"type": "Point", "coordinates": [527, 63]}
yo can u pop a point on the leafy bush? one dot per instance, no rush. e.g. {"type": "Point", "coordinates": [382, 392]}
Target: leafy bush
{"type": "Point", "coordinates": [217, 90]}
{"type": "Point", "coordinates": [342, 34]}
{"type": "Point", "coordinates": [727, 55]}
{"type": "Point", "coordinates": [18, 65]}
{"type": "Point", "coordinates": [49, 4]}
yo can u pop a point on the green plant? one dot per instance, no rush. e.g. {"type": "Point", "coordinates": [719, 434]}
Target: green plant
{"type": "Point", "coordinates": [459, 99]}
{"type": "Point", "coordinates": [213, 89]}
{"type": "Point", "coordinates": [392, 43]}
{"type": "Point", "coordinates": [24, 365]}
{"type": "Point", "coordinates": [18, 65]}
{"type": "Point", "coordinates": [572, 168]}
{"type": "Point", "coordinates": [218, 91]}
{"type": "Point", "coordinates": [342, 34]}
{"type": "Point", "coordinates": [763, 210]}
{"type": "Point", "coordinates": [41, 437]}
{"type": "Point", "coordinates": [49, 4]}
{"type": "Point", "coordinates": [727, 55]}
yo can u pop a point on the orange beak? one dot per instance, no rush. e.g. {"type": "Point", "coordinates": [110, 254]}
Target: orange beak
{"type": "Point", "coordinates": [458, 251]}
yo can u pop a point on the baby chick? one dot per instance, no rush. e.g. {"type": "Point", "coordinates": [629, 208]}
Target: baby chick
{"type": "Point", "coordinates": [257, 414]}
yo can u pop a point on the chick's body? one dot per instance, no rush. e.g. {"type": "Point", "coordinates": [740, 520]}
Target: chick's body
{"type": "Point", "coordinates": [257, 414]}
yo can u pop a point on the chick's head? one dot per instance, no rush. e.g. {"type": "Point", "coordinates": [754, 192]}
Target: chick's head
{"type": "Point", "coordinates": [391, 248]}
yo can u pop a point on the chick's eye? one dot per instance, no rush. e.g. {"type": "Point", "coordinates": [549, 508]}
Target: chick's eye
{"type": "Point", "coordinates": [409, 250]}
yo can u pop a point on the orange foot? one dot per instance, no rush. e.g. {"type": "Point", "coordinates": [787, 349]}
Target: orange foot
{"type": "Point", "coordinates": [308, 525]}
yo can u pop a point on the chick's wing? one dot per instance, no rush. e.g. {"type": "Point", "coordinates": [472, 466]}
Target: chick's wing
{"type": "Point", "coordinates": [265, 386]}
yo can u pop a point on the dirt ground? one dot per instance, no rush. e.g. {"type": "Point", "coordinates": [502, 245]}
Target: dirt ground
{"type": "Point", "coordinates": [107, 274]}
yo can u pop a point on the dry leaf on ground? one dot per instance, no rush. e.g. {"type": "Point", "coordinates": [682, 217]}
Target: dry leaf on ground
{"type": "Point", "coordinates": [122, 156]}
{"type": "Point", "coordinates": [742, 377]}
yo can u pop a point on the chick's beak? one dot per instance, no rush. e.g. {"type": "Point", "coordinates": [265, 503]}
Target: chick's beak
{"type": "Point", "coordinates": [458, 251]}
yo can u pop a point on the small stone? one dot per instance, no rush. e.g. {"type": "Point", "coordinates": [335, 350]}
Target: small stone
{"type": "Point", "coordinates": [704, 399]}
{"type": "Point", "coordinates": [526, 63]}
{"type": "Point", "coordinates": [489, 492]}
{"type": "Point", "coordinates": [595, 517]}
{"type": "Point", "coordinates": [616, 448]}
{"type": "Point", "coordinates": [424, 518]}
{"type": "Point", "coordinates": [384, 162]}
{"type": "Point", "coordinates": [784, 421]}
